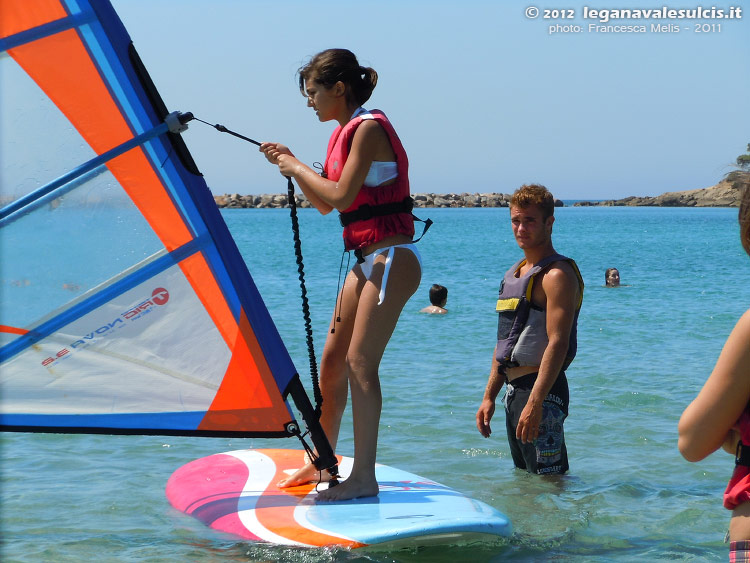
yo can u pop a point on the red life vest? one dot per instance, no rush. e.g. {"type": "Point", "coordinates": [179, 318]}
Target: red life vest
{"type": "Point", "coordinates": [738, 489]}
{"type": "Point", "coordinates": [362, 233]}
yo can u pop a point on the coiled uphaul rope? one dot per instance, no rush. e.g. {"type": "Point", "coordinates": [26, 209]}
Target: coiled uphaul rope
{"type": "Point", "coordinates": [305, 302]}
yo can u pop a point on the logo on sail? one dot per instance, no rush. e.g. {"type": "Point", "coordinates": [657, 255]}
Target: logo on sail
{"type": "Point", "coordinates": [159, 297]}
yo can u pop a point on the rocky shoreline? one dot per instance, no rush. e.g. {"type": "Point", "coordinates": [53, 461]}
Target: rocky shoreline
{"type": "Point", "coordinates": [723, 194]}
{"type": "Point", "coordinates": [266, 201]}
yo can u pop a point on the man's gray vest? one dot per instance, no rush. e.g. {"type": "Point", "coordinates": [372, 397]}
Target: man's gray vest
{"type": "Point", "coordinates": [521, 327]}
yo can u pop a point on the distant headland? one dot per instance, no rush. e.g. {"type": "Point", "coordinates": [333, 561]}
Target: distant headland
{"type": "Point", "coordinates": [723, 194]}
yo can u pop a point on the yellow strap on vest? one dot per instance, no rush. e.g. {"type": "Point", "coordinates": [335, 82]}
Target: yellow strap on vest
{"type": "Point", "coordinates": [507, 304]}
{"type": "Point", "coordinates": [511, 304]}
{"type": "Point", "coordinates": [530, 287]}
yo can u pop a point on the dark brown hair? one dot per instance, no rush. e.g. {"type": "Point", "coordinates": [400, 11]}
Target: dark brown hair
{"type": "Point", "coordinates": [438, 294]}
{"type": "Point", "coordinates": [534, 194]}
{"type": "Point", "coordinates": [334, 65]}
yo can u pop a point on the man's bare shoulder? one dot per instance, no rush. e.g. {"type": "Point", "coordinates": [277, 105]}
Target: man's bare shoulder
{"type": "Point", "coordinates": [561, 276]}
{"type": "Point", "coordinates": [562, 268]}
{"type": "Point", "coordinates": [434, 310]}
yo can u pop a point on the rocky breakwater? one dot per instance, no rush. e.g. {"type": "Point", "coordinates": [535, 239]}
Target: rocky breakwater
{"type": "Point", "coordinates": [265, 201]}
{"type": "Point", "coordinates": [724, 194]}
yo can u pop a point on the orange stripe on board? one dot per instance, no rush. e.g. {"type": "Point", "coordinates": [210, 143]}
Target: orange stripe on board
{"type": "Point", "coordinates": [12, 329]}
{"type": "Point", "coordinates": [243, 401]}
{"type": "Point", "coordinates": [19, 15]}
{"type": "Point", "coordinates": [280, 519]}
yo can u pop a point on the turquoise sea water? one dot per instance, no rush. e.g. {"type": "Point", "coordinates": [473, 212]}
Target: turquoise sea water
{"type": "Point", "coordinates": [644, 352]}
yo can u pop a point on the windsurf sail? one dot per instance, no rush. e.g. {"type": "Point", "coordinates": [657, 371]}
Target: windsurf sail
{"type": "Point", "coordinates": [125, 305]}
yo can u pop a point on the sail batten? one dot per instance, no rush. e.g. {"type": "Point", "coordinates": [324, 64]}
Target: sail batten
{"type": "Point", "coordinates": [45, 30]}
{"type": "Point", "coordinates": [13, 211]}
{"type": "Point", "coordinates": [126, 307]}
{"type": "Point", "coordinates": [81, 170]}
{"type": "Point", "coordinates": [100, 295]}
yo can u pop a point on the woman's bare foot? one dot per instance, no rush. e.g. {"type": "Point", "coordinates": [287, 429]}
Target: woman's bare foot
{"type": "Point", "coordinates": [350, 489]}
{"type": "Point", "coordinates": [306, 474]}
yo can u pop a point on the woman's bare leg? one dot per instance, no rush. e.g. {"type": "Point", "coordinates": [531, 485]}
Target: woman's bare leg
{"type": "Point", "coordinates": [373, 327]}
{"type": "Point", "coordinates": [334, 375]}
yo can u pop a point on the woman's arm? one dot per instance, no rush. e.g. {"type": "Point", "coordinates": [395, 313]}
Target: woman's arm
{"type": "Point", "coordinates": [370, 143]}
{"type": "Point", "coordinates": [274, 153]}
{"type": "Point", "coordinates": [707, 421]}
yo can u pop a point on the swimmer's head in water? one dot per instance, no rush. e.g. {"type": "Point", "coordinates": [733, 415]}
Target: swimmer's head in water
{"type": "Point", "coordinates": [612, 277]}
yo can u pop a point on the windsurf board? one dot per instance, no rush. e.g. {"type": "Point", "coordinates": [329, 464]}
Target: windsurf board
{"type": "Point", "coordinates": [236, 492]}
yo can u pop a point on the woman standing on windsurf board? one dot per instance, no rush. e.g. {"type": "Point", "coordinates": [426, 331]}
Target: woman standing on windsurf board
{"type": "Point", "coordinates": [365, 178]}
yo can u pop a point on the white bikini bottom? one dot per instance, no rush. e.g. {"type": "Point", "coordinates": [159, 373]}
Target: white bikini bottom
{"type": "Point", "coordinates": [369, 262]}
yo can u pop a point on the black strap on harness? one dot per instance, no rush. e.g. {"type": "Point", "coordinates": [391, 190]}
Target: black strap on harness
{"type": "Point", "coordinates": [367, 211]}
{"type": "Point", "coordinates": [742, 456]}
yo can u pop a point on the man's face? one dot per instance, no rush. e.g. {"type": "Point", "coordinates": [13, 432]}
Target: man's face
{"type": "Point", "coordinates": [529, 226]}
